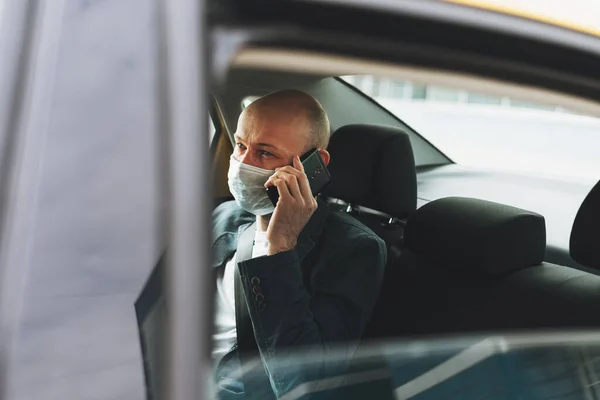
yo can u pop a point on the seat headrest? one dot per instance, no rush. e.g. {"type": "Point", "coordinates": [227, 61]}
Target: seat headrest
{"type": "Point", "coordinates": [373, 166]}
{"type": "Point", "coordinates": [584, 245]}
{"type": "Point", "coordinates": [476, 235]}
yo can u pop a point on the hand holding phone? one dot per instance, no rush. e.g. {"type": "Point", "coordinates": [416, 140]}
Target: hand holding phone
{"type": "Point", "coordinates": [292, 190]}
{"type": "Point", "coordinates": [315, 170]}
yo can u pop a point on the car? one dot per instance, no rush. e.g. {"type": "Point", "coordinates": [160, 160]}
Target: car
{"type": "Point", "coordinates": [105, 162]}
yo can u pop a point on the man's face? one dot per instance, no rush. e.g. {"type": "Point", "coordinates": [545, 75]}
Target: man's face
{"type": "Point", "coordinates": [270, 139]}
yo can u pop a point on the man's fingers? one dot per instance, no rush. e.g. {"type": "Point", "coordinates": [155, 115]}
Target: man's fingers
{"type": "Point", "coordinates": [290, 170]}
{"type": "Point", "coordinates": [302, 180]}
{"type": "Point", "coordinates": [297, 164]}
{"type": "Point", "coordinates": [272, 178]}
{"type": "Point", "coordinates": [280, 172]}
{"type": "Point", "coordinates": [269, 181]}
{"type": "Point", "coordinates": [305, 188]}
{"type": "Point", "coordinates": [282, 188]}
{"type": "Point", "coordinates": [291, 182]}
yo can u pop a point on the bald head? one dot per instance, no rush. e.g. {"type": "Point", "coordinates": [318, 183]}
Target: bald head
{"type": "Point", "coordinates": [280, 126]}
{"type": "Point", "coordinates": [293, 105]}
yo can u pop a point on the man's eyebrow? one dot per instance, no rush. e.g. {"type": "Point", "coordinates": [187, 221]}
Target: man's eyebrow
{"type": "Point", "coordinates": [238, 137]}
{"type": "Point", "coordinates": [267, 145]}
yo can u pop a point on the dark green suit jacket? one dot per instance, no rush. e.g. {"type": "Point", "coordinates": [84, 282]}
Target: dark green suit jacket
{"type": "Point", "coordinates": [314, 302]}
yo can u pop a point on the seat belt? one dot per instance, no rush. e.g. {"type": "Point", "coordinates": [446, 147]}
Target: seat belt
{"type": "Point", "coordinates": [386, 221]}
{"type": "Point", "coordinates": [256, 385]}
{"type": "Point", "coordinates": [351, 208]}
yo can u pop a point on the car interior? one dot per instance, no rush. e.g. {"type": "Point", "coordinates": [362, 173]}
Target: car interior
{"type": "Point", "coordinates": [456, 263]}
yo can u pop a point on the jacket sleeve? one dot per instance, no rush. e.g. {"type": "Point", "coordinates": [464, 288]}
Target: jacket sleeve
{"type": "Point", "coordinates": [329, 321]}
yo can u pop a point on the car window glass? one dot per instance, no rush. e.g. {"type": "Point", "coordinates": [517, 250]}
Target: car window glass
{"type": "Point", "coordinates": [474, 369]}
{"type": "Point", "coordinates": [492, 131]}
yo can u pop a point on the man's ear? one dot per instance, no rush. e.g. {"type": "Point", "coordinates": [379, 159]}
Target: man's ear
{"type": "Point", "coordinates": [325, 156]}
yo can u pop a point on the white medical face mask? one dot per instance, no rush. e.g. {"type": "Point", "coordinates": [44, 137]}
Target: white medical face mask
{"type": "Point", "coordinates": [247, 185]}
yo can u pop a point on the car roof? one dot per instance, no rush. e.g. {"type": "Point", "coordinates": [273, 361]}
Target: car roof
{"type": "Point", "coordinates": [576, 15]}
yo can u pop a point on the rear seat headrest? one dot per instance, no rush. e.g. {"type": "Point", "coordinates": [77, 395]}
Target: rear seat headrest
{"type": "Point", "coordinates": [476, 235]}
{"type": "Point", "coordinates": [373, 166]}
{"type": "Point", "coordinates": [584, 245]}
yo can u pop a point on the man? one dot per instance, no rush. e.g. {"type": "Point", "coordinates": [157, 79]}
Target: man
{"type": "Point", "coordinates": [308, 277]}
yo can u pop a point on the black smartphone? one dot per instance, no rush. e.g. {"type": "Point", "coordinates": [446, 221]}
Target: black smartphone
{"type": "Point", "coordinates": [315, 170]}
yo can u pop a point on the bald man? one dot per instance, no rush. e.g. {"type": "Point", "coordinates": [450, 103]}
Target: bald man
{"type": "Point", "coordinates": [291, 276]}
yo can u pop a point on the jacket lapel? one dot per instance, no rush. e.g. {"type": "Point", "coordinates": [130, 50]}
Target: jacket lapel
{"type": "Point", "coordinates": [226, 244]}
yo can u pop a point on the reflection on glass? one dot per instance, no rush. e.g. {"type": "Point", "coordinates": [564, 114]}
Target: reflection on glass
{"type": "Point", "coordinates": [560, 367]}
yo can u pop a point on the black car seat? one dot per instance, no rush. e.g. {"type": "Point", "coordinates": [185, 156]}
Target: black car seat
{"type": "Point", "coordinates": [373, 177]}
{"type": "Point", "coordinates": [553, 296]}
{"type": "Point", "coordinates": [584, 245]}
{"type": "Point", "coordinates": [472, 265]}
{"type": "Point", "coordinates": [457, 251]}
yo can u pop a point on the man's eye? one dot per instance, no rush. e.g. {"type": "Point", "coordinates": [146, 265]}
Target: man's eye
{"type": "Point", "coordinates": [240, 146]}
{"type": "Point", "coordinates": [265, 153]}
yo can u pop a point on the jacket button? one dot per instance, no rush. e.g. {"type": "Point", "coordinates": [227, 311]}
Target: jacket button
{"type": "Point", "coordinates": [262, 306]}
{"type": "Point", "coordinates": [255, 281]}
{"type": "Point", "coordinates": [260, 297]}
{"type": "Point", "coordinates": [256, 289]}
